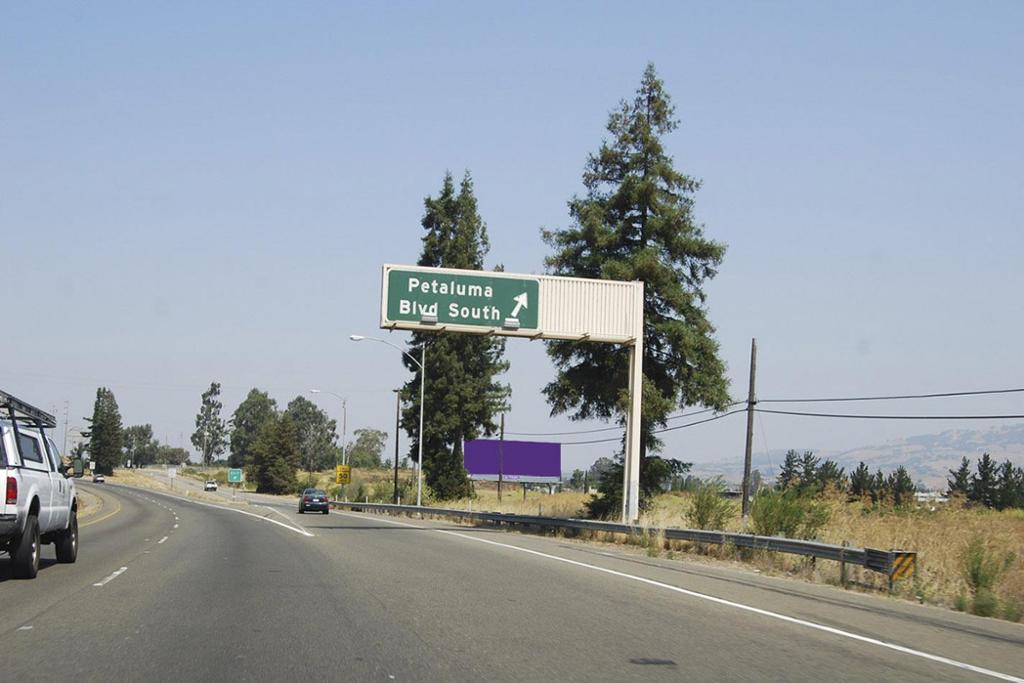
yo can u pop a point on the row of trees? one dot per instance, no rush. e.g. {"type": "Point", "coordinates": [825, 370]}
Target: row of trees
{"type": "Point", "coordinates": [110, 444]}
{"type": "Point", "coordinates": [994, 486]}
{"type": "Point", "coordinates": [256, 435]}
{"type": "Point", "coordinates": [810, 475]}
{"type": "Point", "coordinates": [274, 444]}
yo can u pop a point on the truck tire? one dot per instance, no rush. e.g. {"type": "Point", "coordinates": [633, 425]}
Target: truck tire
{"type": "Point", "coordinates": [66, 542]}
{"type": "Point", "coordinates": [25, 551]}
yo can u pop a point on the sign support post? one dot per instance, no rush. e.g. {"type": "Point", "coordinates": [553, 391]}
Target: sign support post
{"type": "Point", "coordinates": [631, 466]}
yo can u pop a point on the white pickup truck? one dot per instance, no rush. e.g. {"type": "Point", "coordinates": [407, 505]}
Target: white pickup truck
{"type": "Point", "coordinates": [40, 504]}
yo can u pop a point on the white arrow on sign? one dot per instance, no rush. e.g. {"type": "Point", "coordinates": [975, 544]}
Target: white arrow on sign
{"type": "Point", "coordinates": [521, 302]}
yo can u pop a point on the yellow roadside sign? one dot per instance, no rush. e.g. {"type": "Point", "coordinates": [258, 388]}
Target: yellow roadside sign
{"type": "Point", "coordinates": [342, 474]}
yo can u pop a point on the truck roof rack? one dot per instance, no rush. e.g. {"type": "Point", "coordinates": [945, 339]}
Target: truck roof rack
{"type": "Point", "coordinates": [20, 412]}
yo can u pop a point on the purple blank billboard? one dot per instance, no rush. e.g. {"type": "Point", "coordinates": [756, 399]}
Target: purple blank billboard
{"type": "Point", "coordinates": [529, 461]}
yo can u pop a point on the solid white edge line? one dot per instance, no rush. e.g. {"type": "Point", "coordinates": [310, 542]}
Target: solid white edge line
{"type": "Point", "coordinates": [282, 514]}
{"type": "Point", "coordinates": [721, 601]}
{"type": "Point", "coordinates": [110, 578]}
{"type": "Point", "coordinates": [241, 512]}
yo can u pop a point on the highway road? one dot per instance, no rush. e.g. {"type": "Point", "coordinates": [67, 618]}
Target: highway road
{"type": "Point", "coordinates": [168, 587]}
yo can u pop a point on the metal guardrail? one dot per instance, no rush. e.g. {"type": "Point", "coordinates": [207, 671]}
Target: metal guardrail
{"type": "Point", "coordinates": [883, 561]}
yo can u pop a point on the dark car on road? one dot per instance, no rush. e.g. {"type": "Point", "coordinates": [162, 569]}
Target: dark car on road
{"type": "Point", "coordinates": [314, 500]}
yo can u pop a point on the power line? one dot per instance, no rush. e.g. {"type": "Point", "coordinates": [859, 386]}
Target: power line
{"type": "Point", "coordinates": [890, 398]}
{"type": "Point", "coordinates": [617, 429]}
{"type": "Point", "coordinates": [659, 431]}
{"type": "Point", "coordinates": [893, 417]}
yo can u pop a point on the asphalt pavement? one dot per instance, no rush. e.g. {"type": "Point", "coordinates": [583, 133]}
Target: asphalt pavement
{"type": "Point", "coordinates": [168, 586]}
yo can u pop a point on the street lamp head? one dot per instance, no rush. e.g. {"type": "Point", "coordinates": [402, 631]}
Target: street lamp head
{"type": "Point", "coordinates": [314, 391]}
{"type": "Point", "coordinates": [356, 337]}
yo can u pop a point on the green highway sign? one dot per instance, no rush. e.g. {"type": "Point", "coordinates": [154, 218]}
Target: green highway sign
{"type": "Point", "coordinates": [234, 476]}
{"type": "Point", "coordinates": [447, 297]}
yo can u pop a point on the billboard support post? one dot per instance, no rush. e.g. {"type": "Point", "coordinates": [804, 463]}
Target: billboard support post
{"type": "Point", "coordinates": [631, 466]}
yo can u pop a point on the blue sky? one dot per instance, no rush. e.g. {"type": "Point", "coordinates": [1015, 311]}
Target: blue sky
{"type": "Point", "coordinates": [195, 192]}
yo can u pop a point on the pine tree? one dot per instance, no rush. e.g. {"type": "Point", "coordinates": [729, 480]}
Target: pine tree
{"type": "Point", "coordinates": [960, 484]}
{"type": "Point", "coordinates": [808, 470]}
{"type": "Point", "coordinates": [276, 456]}
{"type": "Point", "coordinates": [210, 436]}
{"type": "Point", "coordinates": [830, 475]}
{"type": "Point", "coordinates": [105, 433]}
{"type": "Point", "coordinates": [789, 475]}
{"type": "Point", "coordinates": [1009, 487]}
{"type": "Point", "coordinates": [901, 486]}
{"type": "Point", "coordinates": [462, 395]}
{"type": "Point", "coordinates": [249, 417]}
{"type": "Point", "coordinates": [879, 487]}
{"type": "Point", "coordinates": [982, 488]}
{"type": "Point", "coordinates": [636, 222]}
{"type": "Point", "coordinates": [860, 481]}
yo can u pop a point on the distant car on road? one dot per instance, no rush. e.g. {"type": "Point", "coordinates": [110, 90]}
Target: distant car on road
{"type": "Point", "coordinates": [314, 500]}
{"type": "Point", "coordinates": [98, 479]}
{"type": "Point", "coordinates": [211, 485]}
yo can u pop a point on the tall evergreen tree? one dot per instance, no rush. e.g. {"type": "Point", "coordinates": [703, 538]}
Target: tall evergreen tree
{"type": "Point", "coordinates": [316, 434]}
{"type": "Point", "coordinates": [960, 484]}
{"type": "Point", "coordinates": [1009, 487]}
{"type": "Point", "coordinates": [276, 456]}
{"type": "Point", "coordinates": [210, 436]}
{"type": "Point", "coordinates": [901, 487]}
{"type": "Point", "coordinates": [982, 489]}
{"type": "Point", "coordinates": [789, 475]}
{"type": "Point", "coordinates": [246, 423]}
{"type": "Point", "coordinates": [636, 222]}
{"type": "Point", "coordinates": [830, 475]}
{"type": "Point", "coordinates": [463, 395]}
{"type": "Point", "coordinates": [879, 487]}
{"type": "Point", "coordinates": [860, 481]}
{"type": "Point", "coordinates": [808, 469]}
{"type": "Point", "coordinates": [105, 433]}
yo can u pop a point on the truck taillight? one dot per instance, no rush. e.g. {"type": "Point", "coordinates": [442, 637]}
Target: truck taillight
{"type": "Point", "coordinates": [12, 491]}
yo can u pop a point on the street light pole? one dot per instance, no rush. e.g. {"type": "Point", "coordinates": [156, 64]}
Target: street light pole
{"type": "Point", "coordinates": [398, 405]}
{"type": "Point", "coordinates": [344, 418]}
{"type": "Point", "coordinates": [422, 364]}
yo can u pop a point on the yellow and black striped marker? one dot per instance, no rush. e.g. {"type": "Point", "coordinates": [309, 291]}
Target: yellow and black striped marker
{"type": "Point", "coordinates": [903, 565]}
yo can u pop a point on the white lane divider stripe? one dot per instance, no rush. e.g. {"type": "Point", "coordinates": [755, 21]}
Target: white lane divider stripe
{"type": "Point", "coordinates": [110, 578]}
{"type": "Point", "coordinates": [721, 601]}
{"type": "Point", "coordinates": [289, 527]}
{"type": "Point", "coordinates": [161, 540]}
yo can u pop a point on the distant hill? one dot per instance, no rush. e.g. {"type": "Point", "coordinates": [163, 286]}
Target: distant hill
{"type": "Point", "coordinates": [928, 457]}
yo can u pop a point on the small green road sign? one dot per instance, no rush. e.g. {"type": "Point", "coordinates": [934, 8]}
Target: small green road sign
{"type": "Point", "coordinates": [234, 476]}
{"type": "Point", "coordinates": [449, 298]}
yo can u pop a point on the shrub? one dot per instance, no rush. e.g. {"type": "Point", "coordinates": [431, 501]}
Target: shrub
{"type": "Point", "coordinates": [984, 603]}
{"type": "Point", "coordinates": [708, 509]}
{"type": "Point", "coordinates": [787, 513]}
{"type": "Point", "coordinates": [982, 569]}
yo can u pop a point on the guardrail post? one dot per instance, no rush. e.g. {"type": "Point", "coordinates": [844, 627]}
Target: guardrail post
{"type": "Point", "coordinates": [842, 565]}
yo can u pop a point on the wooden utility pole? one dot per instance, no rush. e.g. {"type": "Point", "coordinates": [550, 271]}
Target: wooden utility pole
{"type": "Point", "coordinates": [751, 401]}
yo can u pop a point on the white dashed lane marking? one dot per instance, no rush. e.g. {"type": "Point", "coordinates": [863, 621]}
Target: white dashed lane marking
{"type": "Point", "coordinates": [110, 578]}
